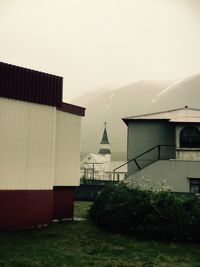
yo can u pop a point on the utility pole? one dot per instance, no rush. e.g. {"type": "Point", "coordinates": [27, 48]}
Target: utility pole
{"type": "Point", "coordinates": [93, 170]}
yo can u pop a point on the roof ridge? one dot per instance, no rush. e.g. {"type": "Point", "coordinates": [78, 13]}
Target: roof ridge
{"type": "Point", "coordinates": [160, 112]}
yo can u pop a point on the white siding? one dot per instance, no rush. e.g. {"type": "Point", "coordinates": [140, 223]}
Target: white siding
{"type": "Point", "coordinates": [67, 156]}
{"type": "Point", "coordinates": [39, 146]}
{"type": "Point", "coordinates": [26, 145]}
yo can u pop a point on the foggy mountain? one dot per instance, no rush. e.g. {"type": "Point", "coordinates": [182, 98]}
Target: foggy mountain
{"type": "Point", "coordinates": [111, 106]}
{"type": "Point", "coordinates": [184, 93]}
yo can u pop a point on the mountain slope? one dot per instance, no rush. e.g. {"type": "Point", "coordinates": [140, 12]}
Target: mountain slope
{"type": "Point", "coordinates": [184, 93]}
{"type": "Point", "coordinates": [111, 106]}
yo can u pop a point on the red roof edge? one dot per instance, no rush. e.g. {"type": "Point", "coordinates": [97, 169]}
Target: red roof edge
{"type": "Point", "coordinates": [34, 86]}
{"type": "Point", "coordinates": [69, 108]}
{"type": "Point", "coordinates": [30, 85]}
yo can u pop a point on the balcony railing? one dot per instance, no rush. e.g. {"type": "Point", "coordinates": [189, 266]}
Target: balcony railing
{"type": "Point", "coordinates": [159, 152]}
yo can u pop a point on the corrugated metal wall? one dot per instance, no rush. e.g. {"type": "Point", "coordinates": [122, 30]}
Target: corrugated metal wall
{"type": "Point", "coordinates": [26, 145]}
{"type": "Point", "coordinates": [39, 146]}
{"type": "Point", "coordinates": [30, 85]}
{"type": "Point", "coordinates": [67, 156]}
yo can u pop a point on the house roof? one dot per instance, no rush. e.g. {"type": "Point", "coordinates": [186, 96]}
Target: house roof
{"type": "Point", "coordinates": [93, 158]}
{"type": "Point", "coordinates": [97, 157]}
{"type": "Point", "coordinates": [34, 86]}
{"type": "Point", "coordinates": [185, 114]}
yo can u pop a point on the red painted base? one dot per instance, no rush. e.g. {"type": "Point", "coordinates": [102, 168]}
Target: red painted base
{"type": "Point", "coordinates": [63, 202]}
{"type": "Point", "coordinates": [30, 208]}
{"type": "Point", "coordinates": [25, 208]}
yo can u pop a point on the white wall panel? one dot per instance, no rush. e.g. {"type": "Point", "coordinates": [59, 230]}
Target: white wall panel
{"type": "Point", "coordinates": [39, 146]}
{"type": "Point", "coordinates": [67, 156]}
{"type": "Point", "coordinates": [26, 145]}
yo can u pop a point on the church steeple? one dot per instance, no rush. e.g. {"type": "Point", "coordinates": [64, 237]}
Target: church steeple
{"type": "Point", "coordinates": [105, 135]}
{"type": "Point", "coordinates": [105, 145]}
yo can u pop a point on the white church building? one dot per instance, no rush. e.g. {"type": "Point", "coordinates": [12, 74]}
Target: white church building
{"type": "Point", "coordinates": [100, 166]}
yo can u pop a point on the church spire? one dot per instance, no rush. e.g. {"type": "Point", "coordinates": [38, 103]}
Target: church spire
{"type": "Point", "coordinates": [105, 145]}
{"type": "Point", "coordinates": [105, 135]}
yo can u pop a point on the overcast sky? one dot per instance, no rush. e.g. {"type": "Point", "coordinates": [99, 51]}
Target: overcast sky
{"type": "Point", "coordinates": [98, 43]}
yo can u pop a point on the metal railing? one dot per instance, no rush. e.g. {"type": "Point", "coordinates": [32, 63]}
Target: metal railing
{"type": "Point", "coordinates": [159, 152]}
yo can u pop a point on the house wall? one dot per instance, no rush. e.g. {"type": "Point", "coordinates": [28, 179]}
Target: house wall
{"type": "Point", "coordinates": [174, 172]}
{"type": "Point", "coordinates": [188, 154]}
{"type": "Point", "coordinates": [143, 135]}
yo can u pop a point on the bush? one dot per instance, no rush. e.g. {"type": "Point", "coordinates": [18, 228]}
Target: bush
{"type": "Point", "coordinates": [147, 214]}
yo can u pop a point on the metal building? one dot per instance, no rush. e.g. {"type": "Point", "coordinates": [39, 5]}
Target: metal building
{"type": "Point", "coordinates": [39, 148]}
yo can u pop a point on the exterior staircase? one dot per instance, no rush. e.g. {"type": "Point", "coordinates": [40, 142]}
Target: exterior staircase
{"type": "Point", "coordinates": [158, 152]}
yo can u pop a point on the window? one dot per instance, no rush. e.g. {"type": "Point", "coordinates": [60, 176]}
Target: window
{"type": "Point", "coordinates": [189, 137]}
{"type": "Point", "coordinates": [195, 186]}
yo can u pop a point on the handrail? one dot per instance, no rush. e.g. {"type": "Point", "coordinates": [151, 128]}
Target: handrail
{"type": "Point", "coordinates": [149, 150]}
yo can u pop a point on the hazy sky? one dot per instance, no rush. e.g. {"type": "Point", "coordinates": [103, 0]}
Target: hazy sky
{"type": "Point", "coordinates": [97, 43]}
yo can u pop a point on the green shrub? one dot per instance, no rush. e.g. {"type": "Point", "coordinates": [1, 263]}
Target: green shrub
{"type": "Point", "coordinates": [120, 209]}
{"type": "Point", "coordinates": [147, 214]}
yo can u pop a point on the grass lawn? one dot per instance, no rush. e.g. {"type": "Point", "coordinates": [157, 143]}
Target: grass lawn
{"type": "Point", "coordinates": [83, 244]}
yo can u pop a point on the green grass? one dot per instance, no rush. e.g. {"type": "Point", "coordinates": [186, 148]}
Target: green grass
{"type": "Point", "coordinates": [81, 208]}
{"type": "Point", "coordinates": [80, 244]}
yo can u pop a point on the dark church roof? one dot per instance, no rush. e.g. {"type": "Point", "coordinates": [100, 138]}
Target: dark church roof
{"type": "Point", "coordinates": [104, 151]}
{"type": "Point", "coordinates": [105, 137]}
{"type": "Point", "coordinates": [104, 141]}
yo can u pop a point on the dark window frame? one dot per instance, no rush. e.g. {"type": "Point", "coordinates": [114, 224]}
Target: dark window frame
{"type": "Point", "coordinates": [189, 137]}
{"type": "Point", "coordinates": [194, 182]}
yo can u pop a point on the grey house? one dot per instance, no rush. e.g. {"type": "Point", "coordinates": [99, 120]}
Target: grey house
{"type": "Point", "coordinates": [166, 145]}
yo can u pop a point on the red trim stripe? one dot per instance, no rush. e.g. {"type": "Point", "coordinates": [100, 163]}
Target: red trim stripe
{"type": "Point", "coordinates": [69, 108]}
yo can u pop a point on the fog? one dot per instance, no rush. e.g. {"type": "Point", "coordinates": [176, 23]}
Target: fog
{"type": "Point", "coordinates": [102, 43]}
